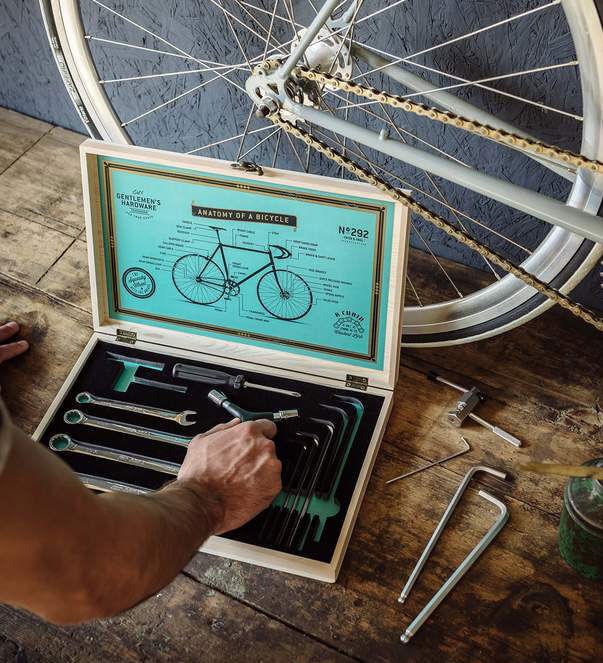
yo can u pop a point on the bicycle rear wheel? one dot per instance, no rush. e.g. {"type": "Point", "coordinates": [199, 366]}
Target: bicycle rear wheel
{"type": "Point", "coordinates": [152, 76]}
{"type": "Point", "coordinates": [198, 279]}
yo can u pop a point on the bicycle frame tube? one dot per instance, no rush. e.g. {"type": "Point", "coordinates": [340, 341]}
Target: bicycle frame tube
{"type": "Point", "coordinates": [537, 205]}
{"type": "Point", "coordinates": [451, 102]}
{"type": "Point", "coordinates": [221, 248]}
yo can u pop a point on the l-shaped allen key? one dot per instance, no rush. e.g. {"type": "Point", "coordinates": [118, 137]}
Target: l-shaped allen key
{"type": "Point", "coordinates": [466, 563]}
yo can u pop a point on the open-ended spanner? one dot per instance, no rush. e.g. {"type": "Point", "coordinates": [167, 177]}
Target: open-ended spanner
{"type": "Point", "coordinates": [78, 417]}
{"type": "Point", "coordinates": [62, 443]}
{"type": "Point", "coordinates": [85, 398]}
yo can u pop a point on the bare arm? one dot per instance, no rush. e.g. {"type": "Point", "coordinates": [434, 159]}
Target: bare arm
{"type": "Point", "coordinates": [70, 555]}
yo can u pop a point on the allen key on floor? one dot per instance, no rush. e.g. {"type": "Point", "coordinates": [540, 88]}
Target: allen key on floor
{"type": "Point", "coordinates": [456, 498]}
{"type": "Point", "coordinates": [461, 569]}
{"type": "Point", "coordinates": [435, 462]}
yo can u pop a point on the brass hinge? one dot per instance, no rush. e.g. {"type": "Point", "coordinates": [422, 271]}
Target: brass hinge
{"type": "Point", "coordinates": [356, 382]}
{"type": "Point", "coordinates": [126, 336]}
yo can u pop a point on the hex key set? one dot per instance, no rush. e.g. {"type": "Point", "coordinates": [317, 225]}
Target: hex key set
{"type": "Point", "coordinates": [113, 432]}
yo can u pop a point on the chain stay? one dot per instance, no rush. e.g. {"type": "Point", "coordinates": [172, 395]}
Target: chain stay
{"type": "Point", "coordinates": [441, 223]}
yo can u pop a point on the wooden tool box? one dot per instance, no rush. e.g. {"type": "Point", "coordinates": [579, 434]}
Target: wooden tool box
{"type": "Point", "coordinates": [292, 280]}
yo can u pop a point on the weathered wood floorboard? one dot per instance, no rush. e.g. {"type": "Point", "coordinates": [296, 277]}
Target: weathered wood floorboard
{"type": "Point", "coordinates": [186, 622]}
{"type": "Point", "coordinates": [520, 602]}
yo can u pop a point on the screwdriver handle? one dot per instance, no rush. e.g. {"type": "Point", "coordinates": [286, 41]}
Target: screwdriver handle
{"type": "Point", "coordinates": [208, 376]}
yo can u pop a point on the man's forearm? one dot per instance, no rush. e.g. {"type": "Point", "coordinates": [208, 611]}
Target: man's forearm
{"type": "Point", "coordinates": [143, 542]}
{"type": "Point", "coordinates": [69, 555]}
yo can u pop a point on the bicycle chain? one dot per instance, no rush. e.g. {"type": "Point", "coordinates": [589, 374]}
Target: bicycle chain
{"type": "Point", "coordinates": [461, 236]}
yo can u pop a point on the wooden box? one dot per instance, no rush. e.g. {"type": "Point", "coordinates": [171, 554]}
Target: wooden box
{"type": "Point", "coordinates": [292, 280]}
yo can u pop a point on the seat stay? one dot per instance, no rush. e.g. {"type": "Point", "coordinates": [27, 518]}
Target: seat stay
{"type": "Point", "coordinates": [208, 261]}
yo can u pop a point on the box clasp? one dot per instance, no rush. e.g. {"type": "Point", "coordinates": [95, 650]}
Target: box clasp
{"type": "Point", "coordinates": [126, 336]}
{"type": "Point", "coordinates": [356, 382]}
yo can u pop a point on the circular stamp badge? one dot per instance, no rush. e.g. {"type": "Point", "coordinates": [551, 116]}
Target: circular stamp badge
{"type": "Point", "coordinates": [349, 323]}
{"type": "Point", "coordinates": [138, 282]}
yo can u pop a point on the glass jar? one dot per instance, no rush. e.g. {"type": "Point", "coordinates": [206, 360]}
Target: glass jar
{"type": "Point", "coordinates": [581, 525]}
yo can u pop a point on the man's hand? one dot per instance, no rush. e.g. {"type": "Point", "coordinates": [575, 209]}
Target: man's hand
{"type": "Point", "coordinates": [10, 350]}
{"type": "Point", "coordinates": [236, 465]}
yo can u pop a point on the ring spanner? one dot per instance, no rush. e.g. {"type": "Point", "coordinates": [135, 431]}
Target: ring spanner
{"type": "Point", "coordinates": [181, 418]}
{"type": "Point", "coordinates": [110, 485]}
{"type": "Point", "coordinates": [62, 442]}
{"type": "Point", "coordinates": [78, 417]}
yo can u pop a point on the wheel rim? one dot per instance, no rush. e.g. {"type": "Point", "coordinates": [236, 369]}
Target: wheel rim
{"type": "Point", "coordinates": [198, 279]}
{"type": "Point", "coordinates": [284, 294]}
{"type": "Point", "coordinates": [479, 314]}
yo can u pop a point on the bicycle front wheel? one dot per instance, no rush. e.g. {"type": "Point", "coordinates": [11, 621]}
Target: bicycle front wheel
{"type": "Point", "coordinates": [284, 295]}
{"type": "Point", "coordinates": [198, 279]}
{"type": "Point", "coordinates": [172, 76]}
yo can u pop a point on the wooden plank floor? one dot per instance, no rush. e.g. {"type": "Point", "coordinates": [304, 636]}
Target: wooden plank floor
{"type": "Point", "coordinates": [520, 602]}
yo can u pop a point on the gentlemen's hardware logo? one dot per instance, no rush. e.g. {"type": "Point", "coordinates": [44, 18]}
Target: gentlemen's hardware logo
{"type": "Point", "coordinates": [138, 204]}
{"type": "Point", "coordinates": [245, 215]}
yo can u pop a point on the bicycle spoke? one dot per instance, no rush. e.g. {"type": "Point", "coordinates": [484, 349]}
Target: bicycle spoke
{"type": "Point", "coordinates": [489, 79]}
{"type": "Point", "coordinates": [234, 34]}
{"type": "Point", "coordinates": [160, 52]}
{"type": "Point", "coordinates": [251, 149]}
{"type": "Point", "coordinates": [414, 290]}
{"type": "Point", "coordinates": [278, 143]}
{"type": "Point", "coordinates": [228, 140]}
{"type": "Point", "coordinates": [167, 74]}
{"type": "Point", "coordinates": [238, 20]}
{"type": "Point", "coordinates": [245, 130]}
{"type": "Point", "coordinates": [161, 39]}
{"type": "Point", "coordinates": [270, 28]}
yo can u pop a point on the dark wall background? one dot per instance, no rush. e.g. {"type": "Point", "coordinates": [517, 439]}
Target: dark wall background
{"type": "Point", "coordinates": [30, 83]}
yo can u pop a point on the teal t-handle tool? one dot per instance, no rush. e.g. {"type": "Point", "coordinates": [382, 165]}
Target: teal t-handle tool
{"type": "Point", "coordinates": [129, 367]}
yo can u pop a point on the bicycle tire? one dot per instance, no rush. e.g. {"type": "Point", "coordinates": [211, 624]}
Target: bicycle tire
{"type": "Point", "coordinates": [561, 259]}
{"type": "Point", "coordinates": [189, 285]}
{"type": "Point", "coordinates": [289, 281]}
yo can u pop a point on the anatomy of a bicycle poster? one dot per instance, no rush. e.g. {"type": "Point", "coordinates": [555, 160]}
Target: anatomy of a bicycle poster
{"type": "Point", "coordinates": [247, 260]}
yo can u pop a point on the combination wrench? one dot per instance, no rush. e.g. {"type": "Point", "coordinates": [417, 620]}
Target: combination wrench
{"type": "Point", "coordinates": [62, 443]}
{"type": "Point", "coordinates": [85, 398]}
{"type": "Point", "coordinates": [78, 417]}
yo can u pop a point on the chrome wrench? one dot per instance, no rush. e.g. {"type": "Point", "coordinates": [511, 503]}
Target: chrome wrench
{"type": "Point", "coordinates": [85, 398]}
{"type": "Point", "coordinates": [78, 417]}
{"type": "Point", "coordinates": [111, 485]}
{"type": "Point", "coordinates": [62, 443]}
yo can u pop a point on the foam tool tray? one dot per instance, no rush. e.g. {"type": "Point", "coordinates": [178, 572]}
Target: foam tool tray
{"type": "Point", "coordinates": [292, 280]}
{"type": "Point", "coordinates": [322, 451]}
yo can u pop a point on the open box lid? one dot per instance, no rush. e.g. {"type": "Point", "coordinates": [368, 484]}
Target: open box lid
{"type": "Point", "coordinates": [283, 269]}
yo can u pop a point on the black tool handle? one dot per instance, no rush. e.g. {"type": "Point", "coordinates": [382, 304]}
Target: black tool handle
{"type": "Point", "coordinates": [208, 376]}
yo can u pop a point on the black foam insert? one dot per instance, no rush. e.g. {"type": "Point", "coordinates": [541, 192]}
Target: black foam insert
{"type": "Point", "coordinates": [99, 375]}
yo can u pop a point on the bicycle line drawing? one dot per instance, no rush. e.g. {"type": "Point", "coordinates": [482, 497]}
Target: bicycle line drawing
{"type": "Point", "coordinates": [281, 293]}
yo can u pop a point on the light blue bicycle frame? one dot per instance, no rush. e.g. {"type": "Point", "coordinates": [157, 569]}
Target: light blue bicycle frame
{"type": "Point", "coordinates": [273, 93]}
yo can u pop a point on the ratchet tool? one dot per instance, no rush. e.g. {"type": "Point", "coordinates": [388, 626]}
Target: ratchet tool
{"type": "Point", "coordinates": [470, 399]}
{"type": "Point", "coordinates": [222, 379]}
{"type": "Point", "coordinates": [85, 398]}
